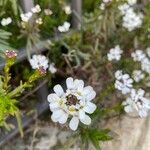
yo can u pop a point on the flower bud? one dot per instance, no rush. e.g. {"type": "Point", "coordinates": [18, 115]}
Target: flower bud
{"type": "Point", "coordinates": [10, 54]}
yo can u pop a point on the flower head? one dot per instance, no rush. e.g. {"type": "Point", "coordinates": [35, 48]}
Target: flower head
{"type": "Point", "coordinates": [26, 17]}
{"type": "Point", "coordinates": [138, 55]}
{"type": "Point", "coordinates": [6, 21]}
{"type": "Point", "coordinates": [36, 9]}
{"type": "Point", "coordinates": [10, 54]}
{"type": "Point", "coordinates": [138, 75]}
{"type": "Point", "coordinates": [48, 12]}
{"type": "Point", "coordinates": [65, 27]}
{"type": "Point", "coordinates": [115, 53]}
{"type": "Point", "coordinates": [52, 68]}
{"type": "Point", "coordinates": [137, 102]}
{"type": "Point", "coordinates": [38, 61]}
{"type": "Point", "coordinates": [39, 21]}
{"type": "Point", "coordinates": [75, 102]}
{"type": "Point", "coordinates": [123, 82]}
{"type": "Point", "coordinates": [67, 9]}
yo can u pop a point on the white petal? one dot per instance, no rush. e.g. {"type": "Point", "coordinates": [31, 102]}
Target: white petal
{"type": "Point", "coordinates": [53, 106]}
{"type": "Point", "coordinates": [58, 90]}
{"type": "Point", "coordinates": [91, 96]}
{"type": "Point", "coordinates": [86, 120]}
{"type": "Point", "coordinates": [56, 115]}
{"type": "Point", "coordinates": [87, 90]}
{"type": "Point", "coordinates": [90, 108]}
{"type": "Point", "coordinates": [74, 122]}
{"type": "Point", "coordinates": [52, 98]}
{"type": "Point", "coordinates": [79, 84]}
{"type": "Point", "coordinates": [70, 83]}
{"type": "Point", "coordinates": [63, 118]}
{"type": "Point", "coordinates": [81, 114]}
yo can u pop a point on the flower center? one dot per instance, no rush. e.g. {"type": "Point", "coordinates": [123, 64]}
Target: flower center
{"type": "Point", "coordinates": [71, 100]}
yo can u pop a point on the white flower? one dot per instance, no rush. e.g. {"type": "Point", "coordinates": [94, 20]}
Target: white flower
{"type": "Point", "coordinates": [48, 12]}
{"type": "Point", "coordinates": [132, 2]}
{"type": "Point", "coordinates": [123, 82]}
{"type": "Point", "coordinates": [124, 8]}
{"type": "Point", "coordinates": [26, 17]}
{"type": "Point", "coordinates": [148, 51]}
{"type": "Point", "coordinates": [6, 21]}
{"type": "Point", "coordinates": [138, 55]}
{"type": "Point", "coordinates": [52, 68]}
{"type": "Point", "coordinates": [36, 9]}
{"type": "Point", "coordinates": [115, 53]}
{"type": "Point", "coordinates": [102, 6]}
{"type": "Point", "coordinates": [138, 75]}
{"type": "Point", "coordinates": [67, 9]}
{"type": "Point", "coordinates": [145, 65]}
{"type": "Point", "coordinates": [131, 20]}
{"type": "Point", "coordinates": [39, 21]}
{"type": "Point", "coordinates": [75, 102]}
{"type": "Point", "coordinates": [137, 102]}
{"type": "Point", "coordinates": [38, 61]}
{"type": "Point", "coordinates": [65, 27]}
{"type": "Point", "coordinates": [106, 1]}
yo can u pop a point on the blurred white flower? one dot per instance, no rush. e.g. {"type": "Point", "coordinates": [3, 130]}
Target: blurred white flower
{"type": "Point", "coordinates": [132, 2]}
{"type": "Point", "coordinates": [26, 17]}
{"type": "Point", "coordinates": [38, 61]}
{"type": "Point", "coordinates": [39, 21]}
{"type": "Point", "coordinates": [137, 102]}
{"type": "Point", "coordinates": [52, 68]}
{"type": "Point", "coordinates": [115, 53]}
{"type": "Point", "coordinates": [106, 1]}
{"type": "Point", "coordinates": [123, 8]}
{"type": "Point", "coordinates": [102, 6]}
{"type": "Point", "coordinates": [6, 21]}
{"type": "Point", "coordinates": [138, 75]}
{"type": "Point", "coordinates": [138, 55]}
{"type": "Point", "coordinates": [145, 65]}
{"type": "Point", "coordinates": [65, 27]}
{"type": "Point", "coordinates": [75, 102]}
{"type": "Point", "coordinates": [48, 12]}
{"type": "Point", "coordinates": [131, 20]}
{"type": "Point", "coordinates": [67, 9]}
{"type": "Point", "coordinates": [123, 82]}
{"type": "Point", "coordinates": [36, 9]}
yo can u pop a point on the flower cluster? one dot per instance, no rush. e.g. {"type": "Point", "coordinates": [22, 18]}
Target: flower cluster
{"type": "Point", "coordinates": [75, 102]}
{"type": "Point", "coordinates": [143, 59]}
{"type": "Point", "coordinates": [123, 82]}
{"type": "Point", "coordinates": [137, 102]}
{"type": "Point", "coordinates": [131, 20]}
{"type": "Point", "coordinates": [115, 53]}
{"type": "Point", "coordinates": [67, 9]}
{"type": "Point", "coordinates": [138, 75]}
{"type": "Point", "coordinates": [40, 61]}
{"type": "Point", "coordinates": [27, 16]}
{"type": "Point", "coordinates": [6, 21]}
{"type": "Point", "coordinates": [65, 27]}
{"type": "Point", "coordinates": [48, 12]}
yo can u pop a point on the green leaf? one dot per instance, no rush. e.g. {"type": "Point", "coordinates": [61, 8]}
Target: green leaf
{"type": "Point", "coordinates": [97, 135]}
{"type": "Point", "coordinates": [19, 121]}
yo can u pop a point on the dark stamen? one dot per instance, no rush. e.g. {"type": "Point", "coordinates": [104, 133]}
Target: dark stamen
{"type": "Point", "coordinates": [71, 100]}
